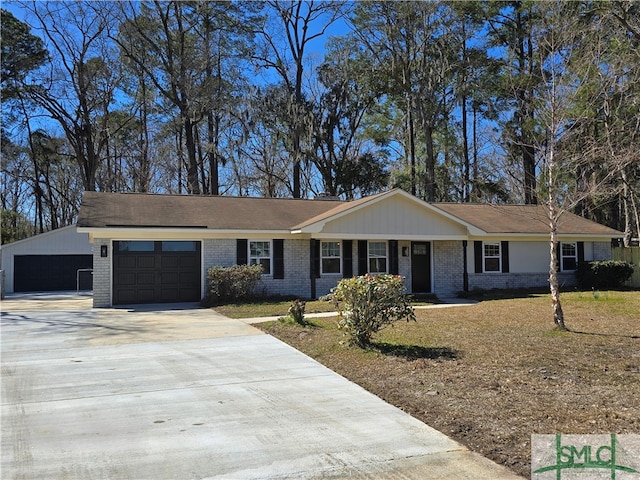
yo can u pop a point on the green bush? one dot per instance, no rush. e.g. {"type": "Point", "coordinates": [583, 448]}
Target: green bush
{"type": "Point", "coordinates": [605, 274]}
{"type": "Point", "coordinates": [295, 313]}
{"type": "Point", "coordinates": [368, 303]}
{"type": "Point", "coordinates": [230, 284]}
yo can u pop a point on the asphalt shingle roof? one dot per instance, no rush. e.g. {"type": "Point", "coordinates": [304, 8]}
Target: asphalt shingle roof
{"type": "Point", "coordinates": [100, 209]}
{"type": "Point", "coordinates": [140, 210]}
{"type": "Point", "coordinates": [522, 219]}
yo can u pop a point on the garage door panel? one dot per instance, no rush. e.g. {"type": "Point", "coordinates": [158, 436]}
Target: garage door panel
{"type": "Point", "coordinates": [126, 278]}
{"type": "Point", "coordinates": [33, 273]}
{"type": "Point", "coordinates": [146, 261]}
{"type": "Point", "coordinates": [188, 262]}
{"type": "Point", "coordinates": [186, 279]}
{"type": "Point", "coordinates": [125, 262]}
{"type": "Point", "coordinates": [172, 275]}
{"type": "Point", "coordinates": [145, 278]}
{"type": "Point", "coordinates": [170, 261]}
{"type": "Point", "coordinates": [169, 278]}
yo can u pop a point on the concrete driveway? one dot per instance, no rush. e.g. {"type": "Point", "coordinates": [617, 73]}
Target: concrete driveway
{"type": "Point", "coordinates": [177, 392]}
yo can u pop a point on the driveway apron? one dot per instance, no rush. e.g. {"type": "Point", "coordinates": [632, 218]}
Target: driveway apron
{"type": "Point", "coordinates": [178, 392]}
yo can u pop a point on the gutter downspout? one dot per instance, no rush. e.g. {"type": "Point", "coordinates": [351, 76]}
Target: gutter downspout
{"type": "Point", "coordinates": [465, 274]}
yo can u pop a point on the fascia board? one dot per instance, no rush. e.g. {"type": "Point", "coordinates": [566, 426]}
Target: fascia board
{"type": "Point", "coordinates": [159, 232]}
{"type": "Point", "coordinates": [543, 236]}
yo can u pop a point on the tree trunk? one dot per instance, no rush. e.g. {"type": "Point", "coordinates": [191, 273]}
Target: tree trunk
{"type": "Point", "coordinates": [192, 165]}
{"type": "Point", "coordinates": [558, 314]}
{"type": "Point", "coordinates": [430, 167]}
{"type": "Point", "coordinates": [412, 144]}
{"type": "Point", "coordinates": [554, 262]}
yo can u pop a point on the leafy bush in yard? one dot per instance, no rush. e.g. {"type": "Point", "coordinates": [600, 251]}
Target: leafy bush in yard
{"type": "Point", "coordinates": [605, 274]}
{"type": "Point", "coordinates": [230, 284]}
{"type": "Point", "coordinates": [296, 311]}
{"type": "Point", "coordinates": [368, 303]}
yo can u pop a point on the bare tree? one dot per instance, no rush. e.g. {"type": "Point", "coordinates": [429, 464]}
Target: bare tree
{"type": "Point", "coordinates": [80, 85]}
{"type": "Point", "coordinates": [302, 22]}
{"type": "Point", "coordinates": [563, 100]}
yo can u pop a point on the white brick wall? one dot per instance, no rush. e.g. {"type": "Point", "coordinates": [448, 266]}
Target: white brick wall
{"type": "Point", "coordinates": [488, 281]}
{"type": "Point", "coordinates": [296, 279]}
{"type": "Point", "coordinates": [447, 265]}
{"type": "Point", "coordinates": [102, 274]}
{"type": "Point", "coordinates": [447, 268]}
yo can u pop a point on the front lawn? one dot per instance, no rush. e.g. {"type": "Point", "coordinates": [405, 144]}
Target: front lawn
{"type": "Point", "coordinates": [490, 375]}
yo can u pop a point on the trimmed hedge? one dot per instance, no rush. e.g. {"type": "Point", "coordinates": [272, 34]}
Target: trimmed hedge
{"type": "Point", "coordinates": [230, 284]}
{"type": "Point", "coordinates": [605, 274]}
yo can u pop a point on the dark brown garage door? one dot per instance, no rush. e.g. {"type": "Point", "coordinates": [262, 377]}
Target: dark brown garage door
{"type": "Point", "coordinates": [155, 272]}
{"type": "Point", "coordinates": [46, 273]}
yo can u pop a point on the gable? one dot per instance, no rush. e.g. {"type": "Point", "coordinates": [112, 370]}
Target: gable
{"type": "Point", "coordinates": [65, 240]}
{"type": "Point", "coordinates": [396, 216]}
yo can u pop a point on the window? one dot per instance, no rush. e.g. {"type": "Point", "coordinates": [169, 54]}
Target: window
{"type": "Point", "coordinates": [179, 246]}
{"type": "Point", "coordinates": [260, 254]}
{"type": "Point", "coordinates": [330, 257]}
{"type": "Point", "coordinates": [491, 257]}
{"type": "Point", "coordinates": [134, 246]}
{"type": "Point", "coordinates": [377, 257]}
{"type": "Point", "coordinates": [568, 256]}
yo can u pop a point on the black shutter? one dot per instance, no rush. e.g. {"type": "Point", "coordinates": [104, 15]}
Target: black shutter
{"type": "Point", "coordinates": [477, 255]}
{"type": "Point", "coordinates": [558, 257]}
{"type": "Point", "coordinates": [580, 247]}
{"type": "Point", "coordinates": [347, 258]}
{"type": "Point", "coordinates": [315, 258]}
{"type": "Point", "coordinates": [241, 252]}
{"type": "Point", "coordinates": [278, 258]}
{"type": "Point", "coordinates": [362, 257]}
{"type": "Point", "coordinates": [504, 250]}
{"type": "Point", "coordinates": [393, 257]}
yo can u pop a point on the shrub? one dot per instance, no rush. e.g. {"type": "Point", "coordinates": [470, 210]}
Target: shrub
{"type": "Point", "coordinates": [606, 274]}
{"type": "Point", "coordinates": [368, 303]}
{"type": "Point", "coordinates": [296, 311]}
{"type": "Point", "coordinates": [230, 284]}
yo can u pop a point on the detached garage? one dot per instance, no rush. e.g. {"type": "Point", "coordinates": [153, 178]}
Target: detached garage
{"type": "Point", "coordinates": [52, 261]}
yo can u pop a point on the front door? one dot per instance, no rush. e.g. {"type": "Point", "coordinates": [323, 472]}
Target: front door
{"type": "Point", "coordinates": [420, 267]}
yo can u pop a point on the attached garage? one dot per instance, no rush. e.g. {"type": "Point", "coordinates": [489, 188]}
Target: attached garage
{"type": "Point", "coordinates": [156, 271]}
{"type": "Point", "coordinates": [52, 261]}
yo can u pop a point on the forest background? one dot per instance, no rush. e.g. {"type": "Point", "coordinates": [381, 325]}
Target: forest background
{"type": "Point", "coordinates": [503, 102]}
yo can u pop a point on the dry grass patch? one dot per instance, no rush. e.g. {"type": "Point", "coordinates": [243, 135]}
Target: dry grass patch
{"type": "Point", "coordinates": [492, 374]}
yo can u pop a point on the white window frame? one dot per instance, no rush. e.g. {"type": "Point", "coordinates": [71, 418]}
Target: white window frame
{"type": "Point", "coordinates": [485, 257]}
{"type": "Point", "coordinates": [370, 256]}
{"type": "Point", "coordinates": [330, 257]}
{"type": "Point", "coordinates": [563, 256]}
{"type": "Point", "coordinates": [255, 259]}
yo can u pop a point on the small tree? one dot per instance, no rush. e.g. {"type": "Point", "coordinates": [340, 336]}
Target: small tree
{"type": "Point", "coordinates": [368, 303]}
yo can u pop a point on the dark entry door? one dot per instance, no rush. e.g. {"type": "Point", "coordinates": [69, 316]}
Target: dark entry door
{"type": "Point", "coordinates": [420, 267]}
{"type": "Point", "coordinates": [156, 272]}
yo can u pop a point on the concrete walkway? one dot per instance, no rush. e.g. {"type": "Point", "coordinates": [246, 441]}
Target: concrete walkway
{"type": "Point", "coordinates": [177, 392]}
{"type": "Point", "coordinates": [446, 303]}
